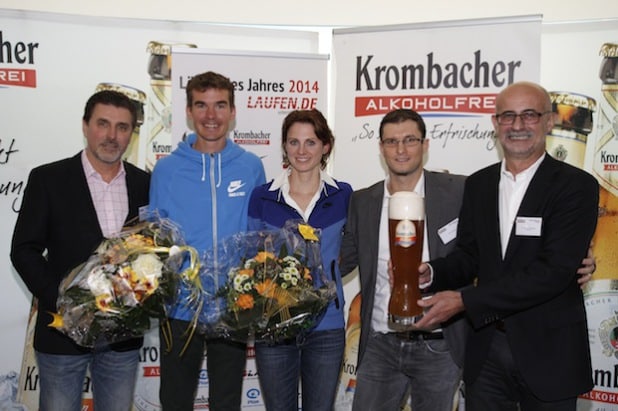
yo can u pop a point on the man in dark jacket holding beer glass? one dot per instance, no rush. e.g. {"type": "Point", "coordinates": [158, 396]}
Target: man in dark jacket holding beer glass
{"type": "Point", "coordinates": [524, 228]}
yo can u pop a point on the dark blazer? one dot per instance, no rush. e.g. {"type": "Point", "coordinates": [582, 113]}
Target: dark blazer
{"type": "Point", "coordinates": [443, 194]}
{"type": "Point", "coordinates": [56, 230]}
{"type": "Point", "coordinates": [533, 289]}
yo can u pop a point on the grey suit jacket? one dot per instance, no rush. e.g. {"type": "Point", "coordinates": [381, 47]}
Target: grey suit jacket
{"type": "Point", "coordinates": [443, 196]}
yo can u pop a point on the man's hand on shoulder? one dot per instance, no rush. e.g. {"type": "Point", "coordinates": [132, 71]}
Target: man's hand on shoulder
{"type": "Point", "coordinates": [588, 267]}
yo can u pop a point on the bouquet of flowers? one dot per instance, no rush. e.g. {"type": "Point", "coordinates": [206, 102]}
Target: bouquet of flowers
{"type": "Point", "coordinates": [270, 284]}
{"type": "Point", "coordinates": [126, 281]}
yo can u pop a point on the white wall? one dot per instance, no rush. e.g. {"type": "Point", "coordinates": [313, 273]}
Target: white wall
{"type": "Point", "coordinates": [324, 12]}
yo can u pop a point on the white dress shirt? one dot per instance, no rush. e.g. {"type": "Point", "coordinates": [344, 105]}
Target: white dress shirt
{"type": "Point", "coordinates": [512, 189]}
{"type": "Point", "coordinates": [379, 315]}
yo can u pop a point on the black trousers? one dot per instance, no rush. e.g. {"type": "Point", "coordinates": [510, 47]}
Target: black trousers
{"type": "Point", "coordinates": [180, 374]}
{"type": "Point", "coordinates": [500, 386]}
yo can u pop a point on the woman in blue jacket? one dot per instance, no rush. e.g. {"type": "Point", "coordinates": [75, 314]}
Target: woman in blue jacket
{"type": "Point", "coordinates": [305, 191]}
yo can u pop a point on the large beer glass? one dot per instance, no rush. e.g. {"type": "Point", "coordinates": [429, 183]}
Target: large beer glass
{"type": "Point", "coordinates": [406, 216]}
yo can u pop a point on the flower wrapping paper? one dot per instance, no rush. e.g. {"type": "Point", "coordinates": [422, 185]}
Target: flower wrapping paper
{"type": "Point", "coordinates": [129, 279]}
{"type": "Point", "coordinates": [265, 285]}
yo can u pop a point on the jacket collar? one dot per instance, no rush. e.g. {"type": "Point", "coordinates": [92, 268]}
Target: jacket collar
{"type": "Point", "coordinates": [282, 180]}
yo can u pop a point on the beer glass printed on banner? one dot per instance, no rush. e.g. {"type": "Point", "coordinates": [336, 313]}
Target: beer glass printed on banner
{"type": "Point", "coordinates": [573, 122]}
{"type": "Point", "coordinates": [406, 216]}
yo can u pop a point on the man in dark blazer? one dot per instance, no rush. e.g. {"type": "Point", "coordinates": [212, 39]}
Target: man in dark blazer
{"type": "Point", "coordinates": [524, 227]}
{"type": "Point", "coordinates": [59, 225]}
{"type": "Point", "coordinates": [390, 363]}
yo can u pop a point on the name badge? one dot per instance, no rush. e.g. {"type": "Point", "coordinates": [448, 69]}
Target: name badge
{"type": "Point", "coordinates": [528, 226]}
{"type": "Point", "coordinates": [448, 232]}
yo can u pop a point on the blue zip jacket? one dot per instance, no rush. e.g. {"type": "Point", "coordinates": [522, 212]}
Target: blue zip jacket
{"type": "Point", "coordinates": [268, 210]}
{"type": "Point", "coordinates": [206, 194]}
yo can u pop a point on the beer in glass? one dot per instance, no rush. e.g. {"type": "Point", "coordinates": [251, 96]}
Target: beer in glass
{"type": "Point", "coordinates": [406, 216]}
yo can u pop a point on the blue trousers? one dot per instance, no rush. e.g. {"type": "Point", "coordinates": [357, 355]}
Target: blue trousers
{"type": "Point", "coordinates": [113, 377]}
{"type": "Point", "coordinates": [315, 358]}
{"type": "Point", "coordinates": [391, 368]}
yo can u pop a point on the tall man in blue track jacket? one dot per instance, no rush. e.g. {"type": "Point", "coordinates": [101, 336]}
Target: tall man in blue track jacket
{"type": "Point", "coordinates": [204, 185]}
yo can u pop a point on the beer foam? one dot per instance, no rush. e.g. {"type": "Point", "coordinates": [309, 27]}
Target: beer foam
{"type": "Point", "coordinates": [406, 205]}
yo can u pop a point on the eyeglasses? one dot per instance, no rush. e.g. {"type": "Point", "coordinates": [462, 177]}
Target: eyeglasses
{"type": "Point", "coordinates": [407, 141]}
{"type": "Point", "coordinates": [527, 117]}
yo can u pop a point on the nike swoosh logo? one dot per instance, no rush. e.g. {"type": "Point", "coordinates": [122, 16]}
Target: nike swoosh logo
{"type": "Point", "coordinates": [234, 188]}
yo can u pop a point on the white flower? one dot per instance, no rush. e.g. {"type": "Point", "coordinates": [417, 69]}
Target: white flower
{"type": "Point", "coordinates": [291, 261]}
{"type": "Point", "coordinates": [97, 281]}
{"type": "Point", "coordinates": [239, 281]}
{"type": "Point", "coordinates": [293, 271]}
{"type": "Point", "coordinates": [148, 266]}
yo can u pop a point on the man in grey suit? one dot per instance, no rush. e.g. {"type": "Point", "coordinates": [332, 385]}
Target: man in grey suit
{"type": "Point", "coordinates": [391, 363]}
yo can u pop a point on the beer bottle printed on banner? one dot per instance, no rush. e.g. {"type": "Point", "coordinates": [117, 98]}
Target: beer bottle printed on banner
{"type": "Point", "coordinates": [567, 139]}
{"type": "Point", "coordinates": [347, 379]}
{"type": "Point", "coordinates": [605, 166]}
{"type": "Point", "coordinates": [138, 98]}
{"type": "Point", "coordinates": [159, 112]}
{"type": "Point", "coordinates": [601, 294]}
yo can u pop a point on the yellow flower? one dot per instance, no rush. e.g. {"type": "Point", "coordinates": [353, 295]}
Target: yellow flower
{"type": "Point", "coordinates": [138, 240]}
{"type": "Point", "coordinates": [103, 302]}
{"type": "Point", "coordinates": [266, 288]}
{"type": "Point", "coordinates": [262, 256]}
{"type": "Point", "coordinates": [151, 286]}
{"type": "Point", "coordinates": [307, 232]}
{"type": "Point", "coordinates": [57, 321]}
{"type": "Point", "coordinates": [247, 271]}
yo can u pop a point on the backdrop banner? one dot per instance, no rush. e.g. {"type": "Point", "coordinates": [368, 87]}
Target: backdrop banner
{"type": "Point", "coordinates": [449, 72]}
{"type": "Point", "coordinates": [50, 65]}
{"type": "Point", "coordinates": [267, 87]}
